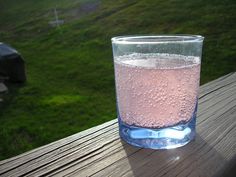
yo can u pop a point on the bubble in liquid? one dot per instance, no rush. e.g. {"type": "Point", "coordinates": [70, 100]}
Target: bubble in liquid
{"type": "Point", "coordinates": [152, 79]}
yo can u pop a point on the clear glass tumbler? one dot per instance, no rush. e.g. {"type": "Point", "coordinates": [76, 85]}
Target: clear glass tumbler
{"type": "Point", "coordinates": [157, 83]}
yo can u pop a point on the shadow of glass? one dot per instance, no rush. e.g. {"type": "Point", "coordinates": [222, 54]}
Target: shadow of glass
{"type": "Point", "coordinates": [197, 158]}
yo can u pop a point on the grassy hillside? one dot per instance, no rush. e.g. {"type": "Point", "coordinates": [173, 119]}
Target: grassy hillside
{"type": "Point", "coordinates": [70, 83]}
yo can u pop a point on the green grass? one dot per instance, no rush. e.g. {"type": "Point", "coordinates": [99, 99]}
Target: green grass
{"type": "Point", "coordinates": [70, 83]}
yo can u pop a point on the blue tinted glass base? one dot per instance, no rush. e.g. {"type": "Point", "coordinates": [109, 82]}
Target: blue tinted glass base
{"type": "Point", "coordinates": [163, 138]}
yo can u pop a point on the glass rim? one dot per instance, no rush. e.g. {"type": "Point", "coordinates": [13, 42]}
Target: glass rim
{"type": "Point", "coordinates": [157, 39]}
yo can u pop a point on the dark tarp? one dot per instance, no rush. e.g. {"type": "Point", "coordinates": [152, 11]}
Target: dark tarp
{"type": "Point", "coordinates": [11, 64]}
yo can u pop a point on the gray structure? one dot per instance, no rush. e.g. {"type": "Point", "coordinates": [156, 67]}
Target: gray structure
{"type": "Point", "coordinates": [12, 65]}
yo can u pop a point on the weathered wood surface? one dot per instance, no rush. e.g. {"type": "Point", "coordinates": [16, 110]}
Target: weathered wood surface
{"type": "Point", "coordinates": [100, 152]}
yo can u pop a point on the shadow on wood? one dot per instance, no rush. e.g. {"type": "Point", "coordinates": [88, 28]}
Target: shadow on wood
{"type": "Point", "coordinates": [194, 159]}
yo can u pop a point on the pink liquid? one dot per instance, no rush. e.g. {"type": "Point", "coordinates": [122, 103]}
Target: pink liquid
{"type": "Point", "coordinates": [156, 90]}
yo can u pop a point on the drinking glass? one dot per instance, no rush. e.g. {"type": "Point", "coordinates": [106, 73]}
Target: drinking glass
{"type": "Point", "coordinates": [157, 83]}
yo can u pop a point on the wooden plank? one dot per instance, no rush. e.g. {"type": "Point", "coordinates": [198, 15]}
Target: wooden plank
{"type": "Point", "coordinates": [60, 149]}
{"type": "Point", "coordinates": [163, 159]}
{"type": "Point", "coordinates": [96, 167]}
{"type": "Point", "coordinates": [218, 83]}
{"type": "Point", "coordinates": [31, 155]}
{"type": "Point", "coordinates": [215, 104]}
{"type": "Point", "coordinates": [100, 152]}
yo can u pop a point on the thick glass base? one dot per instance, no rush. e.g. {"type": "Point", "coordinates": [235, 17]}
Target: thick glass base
{"type": "Point", "coordinates": [163, 138]}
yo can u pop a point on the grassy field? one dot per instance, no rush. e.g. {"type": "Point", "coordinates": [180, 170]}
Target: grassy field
{"type": "Point", "coordinates": [70, 83]}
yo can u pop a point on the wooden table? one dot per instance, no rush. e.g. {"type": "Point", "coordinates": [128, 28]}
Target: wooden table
{"type": "Point", "coordinates": [100, 152]}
